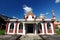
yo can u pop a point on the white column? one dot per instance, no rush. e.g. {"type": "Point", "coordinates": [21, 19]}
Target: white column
{"type": "Point", "coordinates": [46, 28]}
{"type": "Point", "coordinates": [8, 28]}
{"type": "Point", "coordinates": [36, 29]}
{"type": "Point", "coordinates": [23, 28]}
{"type": "Point", "coordinates": [52, 28]}
{"type": "Point", "coordinates": [13, 28]}
{"type": "Point", "coordinates": [42, 28]}
{"type": "Point", "coordinates": [18, 28]}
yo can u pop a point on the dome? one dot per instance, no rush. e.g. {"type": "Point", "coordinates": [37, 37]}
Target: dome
{"type": "Point", "coordinates": [41, 16]}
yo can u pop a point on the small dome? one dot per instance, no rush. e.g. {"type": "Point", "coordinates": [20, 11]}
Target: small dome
{"type": "Point", "coordinates": [30, 14]}
{"type": "Point", "coordinates": [41, 16]}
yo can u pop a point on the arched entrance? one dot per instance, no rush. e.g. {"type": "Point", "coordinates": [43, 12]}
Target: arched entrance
{"type": "Point", "coordinates": [29, 28]}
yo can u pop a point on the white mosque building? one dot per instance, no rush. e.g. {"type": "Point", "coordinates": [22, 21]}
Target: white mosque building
{"type": "Point", "coordinates": [31, 25]}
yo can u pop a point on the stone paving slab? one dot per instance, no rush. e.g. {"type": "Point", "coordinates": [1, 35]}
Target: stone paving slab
{"type": "Point", "coordinates": [5, 37]}
{"type": "Point", "coordinates": [8, 37]}
{"type": "Point", "coordinates": [30, 37]}
{"type": "Point", "coordinates": [14, 37]}
{"type": "Point", "coordinates": [52, 37]}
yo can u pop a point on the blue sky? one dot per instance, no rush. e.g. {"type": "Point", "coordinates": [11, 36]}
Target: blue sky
{"type": "Point", "coordinates": [15, 7]}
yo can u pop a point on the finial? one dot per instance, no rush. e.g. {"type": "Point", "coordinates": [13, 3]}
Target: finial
{"type": "Point", "coordinates": [53, 14]}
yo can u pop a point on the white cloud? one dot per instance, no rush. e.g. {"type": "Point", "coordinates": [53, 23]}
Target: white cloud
{"type": "Point", "coordinates": [47, 13]}
{"type": "Point", "coordinates": [27, 9]}
{"type": "Point", "coordinates": [57, 1]}
{"type": "Point", "coordinates": [42, 14]}
{"type": "Point", "coordinates": [14, 17]}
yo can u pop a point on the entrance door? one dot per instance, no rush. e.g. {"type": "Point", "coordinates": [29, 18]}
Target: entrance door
{"type": "Point", "coordinates": [30, 28]}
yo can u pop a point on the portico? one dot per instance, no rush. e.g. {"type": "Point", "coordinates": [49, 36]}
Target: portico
{"type": "Point", "coordinates": [29, 28]}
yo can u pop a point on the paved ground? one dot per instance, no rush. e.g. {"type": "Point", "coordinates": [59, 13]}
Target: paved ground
{"type": "Point", "coordinates": [14, 37]}
{"type": "Point", "coordinates": [30, 37]}
{"type": "Point", "coordinates": [52, 37]}
{"type": "Point", "coordinates": [8, 37]}
{"type": "Point", "coordinates": [48, 37]}
{"type": "Point", "coordinates": [5, 37]}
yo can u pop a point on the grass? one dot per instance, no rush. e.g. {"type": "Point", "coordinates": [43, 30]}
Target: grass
{"type": "Point", "coordinates": [58, 32]}
{"type": "Point", "coordinates": [2, 32]}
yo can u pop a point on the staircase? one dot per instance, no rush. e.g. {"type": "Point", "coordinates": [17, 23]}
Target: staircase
{"type": "Point", "coordinates": [30, 37]}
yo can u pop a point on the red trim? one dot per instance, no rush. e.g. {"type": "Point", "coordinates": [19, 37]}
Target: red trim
{"type": "Point", "coordinates": [40, 31]}
{"type": "Point", "coordinates": [11, 31]}
{"type": "Point", "coordinates": [16, 26]}
{"type": "Point", "coordinates": [49, 31]}
{"type": "Point", "coordinates": [7, 27]}
{"type": "Point", "coordinates": [20, 31]}
{"type": "Point", "coordinates": [44, 28]}
{"type": "Point", "coordinates": [54, 27]}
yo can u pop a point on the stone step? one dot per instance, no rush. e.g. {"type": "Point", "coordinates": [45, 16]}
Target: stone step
{"type": "Point", "coordinates": [30, 37]}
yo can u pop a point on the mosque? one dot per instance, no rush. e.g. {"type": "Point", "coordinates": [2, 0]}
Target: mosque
{"type": "Point", "coordinates": [31, 25]}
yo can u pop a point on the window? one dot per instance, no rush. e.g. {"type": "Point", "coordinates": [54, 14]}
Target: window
{"type": "Point", "coordinates": [39, 26]}
{"type": "Point", "coordinates": [32, 16]}
{"type": "Point", "coordinates": [20, 26]}
{"type": "Point", "coordinates": [11, 25]}
{"type": "Point", "coordinates": [48, 26]}
{"type": "Point", "coordinates": [27, 17]}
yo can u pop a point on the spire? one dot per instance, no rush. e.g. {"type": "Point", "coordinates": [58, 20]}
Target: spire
{"type": "Point", "coordinates": [53, 14]}
{"type": "Point", "coordinates": [41, 16]}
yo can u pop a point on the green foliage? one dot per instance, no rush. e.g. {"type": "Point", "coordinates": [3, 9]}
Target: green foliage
{"type": "Point", "coordinates": [58, 32]}
{"type": "Point", "coordinates": [2, 32]}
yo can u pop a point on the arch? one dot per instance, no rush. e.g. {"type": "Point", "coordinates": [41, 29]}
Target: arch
{"type": "Point", "coordinates": [39, 26]}
{"type": "Point", "coordinates": [20, 26]}
{"type": "Point", "coordinates": [12, 26]}
{"type": "Point", "coordinates": [48, 26]}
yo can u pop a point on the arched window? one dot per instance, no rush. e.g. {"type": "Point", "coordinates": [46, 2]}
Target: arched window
{"type": "Point", "coordinates": [20, 26]}
{"type": "Point", "coordinates": [48, 26]}
{"type": "Point", "coordinates": [12, 26]}
{"type": "Point", "coordinates": [27, 17]}
{"type": "Point", "coordinates": [39, 26]}
{"type": "Point", "coordinates": [32, 16]}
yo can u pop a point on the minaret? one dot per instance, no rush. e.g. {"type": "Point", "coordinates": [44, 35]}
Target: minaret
{"type": "Point", "coordinates": [42, 16]}
{"type": "Point", "coordinates": [53, 15]}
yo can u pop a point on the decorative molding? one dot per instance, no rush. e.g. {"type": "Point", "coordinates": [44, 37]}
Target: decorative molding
{"type": "Point", "coordinates": [9, 28]}
{"type": "Point", "coordinates": [18, 30]}
{"type": "Point", "coordinates": [51, 29]}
